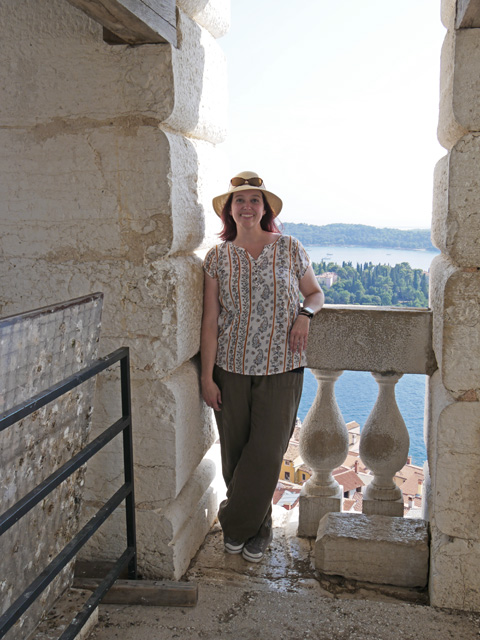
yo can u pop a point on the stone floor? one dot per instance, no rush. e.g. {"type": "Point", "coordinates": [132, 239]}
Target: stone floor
{"type": "Point", "coordinates": [282, 598]}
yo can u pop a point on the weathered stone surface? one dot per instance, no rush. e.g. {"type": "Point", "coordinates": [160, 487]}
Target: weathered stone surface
{"type": "Point", "coordinates": [468, 14]}
{"type": "Point", "coordinates": [61, 615]}
{"type": "Point", "coordinates": [212, 177]}
{"type": "Point", "coordinates": [440, 203]}
{"type": "Point", "coordinates": [459, 86]}
{"type": "Point", "coordinates": [455, 299]}
{"type": "Point", "coordinates": [466, 83]}
{"type": "Point", "coordinates": [175, 443]}
{"type": "Point", "coordinates": [172, 431]}
{"type": "Point", "coordinates": [213, 15]}
{"type": "Point", "coordinates": [169, 538]}
{"type": "Point", "coordinates": [454, 571]}
{"type": "Point", "coordinates": [348, 337]}
{"type": "Point", "coordinates": [156, 311]}
{"type": "Point", "coordinates": [448, 8]}
{"type": "Point", "coordinates": [132, 209]}
{"type": "Point", "coordinates": [184, 87]}
{"type": "Point", "coordinates": [312, 509]}
{"type": "Point", "coordinates": [38, 45]}
{"type": "Point", "coordinates": [376, 549]}
{"type": "Point", "coordinates": [200, 79]}
{"type": "Point", "coordinates": [383, 507]}
{"type": "Point", "coordinates": [455, 492]}
{"type": "Point", "coordinates": [426, 492]}
{"type": "Point", "coordinates": [437, 399]}
{"type": "Point", "coordinates": [449, 130]}
{"type": "Point", "coordinates": [456, 219]}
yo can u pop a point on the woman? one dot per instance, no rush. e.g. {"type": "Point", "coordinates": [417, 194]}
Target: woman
{"type": "Point", "coordinates": [254, 336]}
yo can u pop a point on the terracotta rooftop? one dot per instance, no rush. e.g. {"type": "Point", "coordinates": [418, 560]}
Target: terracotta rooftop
{"type": "Point", "coordinates": [353, 425]}
{"type": "Point", "coordinates": [348, 479]}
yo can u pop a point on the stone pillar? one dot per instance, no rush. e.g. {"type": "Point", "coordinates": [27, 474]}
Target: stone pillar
{"type": "Point", "coordinates": [453, 437]}
{"type": "Point", "coordinates": [384, 444]}
{"type": "Point", "coordinates": [323, 447]}
{"type": "Point", "coordinates": [110, 160]}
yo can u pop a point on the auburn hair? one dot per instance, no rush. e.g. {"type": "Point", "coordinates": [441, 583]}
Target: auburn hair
{"type": "Point", "coordinates": [229, 231]}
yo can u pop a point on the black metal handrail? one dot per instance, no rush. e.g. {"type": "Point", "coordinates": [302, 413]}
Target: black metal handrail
{"type": "Point", "coordinates": [128, 559]}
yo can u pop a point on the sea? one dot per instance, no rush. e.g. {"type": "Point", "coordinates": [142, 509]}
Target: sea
{"type": "Point", "coordinates": [356, 391]}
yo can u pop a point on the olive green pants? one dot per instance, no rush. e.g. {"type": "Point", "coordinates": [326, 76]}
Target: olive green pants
{"type": "Point", "coordinates": [255, 425]}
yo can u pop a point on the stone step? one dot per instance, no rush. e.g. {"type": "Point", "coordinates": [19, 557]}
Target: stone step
{"type": "Point", "coordinates": [377, 549]}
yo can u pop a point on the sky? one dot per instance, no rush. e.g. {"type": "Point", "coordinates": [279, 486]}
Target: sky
{"type": "Point", "coordinates": [334, 103]}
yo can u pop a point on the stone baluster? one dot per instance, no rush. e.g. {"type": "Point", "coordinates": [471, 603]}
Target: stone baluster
{"type": "Point", "coordinates": [384, 445]}
{"type": "Point", "coordinates": [323, 447]}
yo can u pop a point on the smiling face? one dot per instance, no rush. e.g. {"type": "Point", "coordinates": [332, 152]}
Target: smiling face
{"type": "Point", "coordinates": [247, 208]}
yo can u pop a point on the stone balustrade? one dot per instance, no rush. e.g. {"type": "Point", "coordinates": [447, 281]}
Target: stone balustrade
{"type": "Point", "coordinates": [388, 342]}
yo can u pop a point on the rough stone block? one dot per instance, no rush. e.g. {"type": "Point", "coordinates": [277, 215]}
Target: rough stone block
{"type": "Point", "coordinates": [455, 300]}
{"type": "Point", "coordinates": [172, 431]}
{"type": "Point", "coordinates": [313, 508]}
{"type": "Point", "coordinates": [200, 80]}
{"type": "Point", "coordinates": [211, 180]}
{"type": "Point", "coordinates": [383, 507]}
{"type": "Point", "coordinates": [131, 210]}
{"type": "Point", "coordinates": [454, 572]}
{"type": "Point", "coordinates": [184, 87]}
{"type": "Point", "coordinates": [459, 86]}
{"type": "Point", "coordinates": [455, 491]}
{"type": "Point", "coordinates": [456, 206]}
{"type": "Point", "coordinates": [213, 15]}
{"type": "Point", "coordinates": [347, 337]}
{"type": "Point", "coordinates": [53, 48]}
{"type": "Point", "coordinates": [426, 492]}
{"type": "Point", "coordinates": [448, 8]}
{"type": "Point", "coordinates": [449, 129]}
{"type": "Point", "coordinates": [173, 443]}
{"type": "Point", "coordinates": [169, 538]}
{"type": "Point", "coordinates": [437, 399]}
{"type": "Point", "coordinates": [156, 311]}
{"type": "Point", "coordinates": [376, 549]}
{"type": "Point", "coordinates": [466, 82]}
{"type": "Point", "coordinates": [440, 203]}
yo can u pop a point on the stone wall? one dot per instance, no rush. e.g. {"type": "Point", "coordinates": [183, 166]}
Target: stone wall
{"type": "Point", "coordinates": [110, 158]}
{"type": "Point", "coordinates": [453, 425]}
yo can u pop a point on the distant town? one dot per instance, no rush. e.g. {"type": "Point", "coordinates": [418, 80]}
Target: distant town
{"type": "Point", "coordinates": [381, 284]}
{"type": "Point", "coordinates": [353, 476]}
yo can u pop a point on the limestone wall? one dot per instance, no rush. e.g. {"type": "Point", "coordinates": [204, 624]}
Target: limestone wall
{"type": "Point", "coordinates": [110, 158]}
{"type": "Point", "coordinates": [453, 430]}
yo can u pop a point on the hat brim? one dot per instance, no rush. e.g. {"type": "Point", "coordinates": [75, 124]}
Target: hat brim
{"type": "Point", "coordinates": [273, 200]}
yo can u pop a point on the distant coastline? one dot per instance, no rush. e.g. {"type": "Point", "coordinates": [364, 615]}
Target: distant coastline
{"type": "Point", "coordinates": [359, 235]}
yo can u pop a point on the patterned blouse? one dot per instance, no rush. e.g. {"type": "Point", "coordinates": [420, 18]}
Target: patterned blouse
{"type": "Point", "coordinates": [259, 302]}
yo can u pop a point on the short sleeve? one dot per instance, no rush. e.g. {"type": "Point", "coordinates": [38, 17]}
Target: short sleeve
{"type": "Point", "coordinates": [302, 260]}
{"type": "Point", "coordinates": [210, 263]}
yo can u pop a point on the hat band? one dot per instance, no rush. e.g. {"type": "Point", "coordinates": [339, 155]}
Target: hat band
{"type": "Point", "coordinates": [253, 182]}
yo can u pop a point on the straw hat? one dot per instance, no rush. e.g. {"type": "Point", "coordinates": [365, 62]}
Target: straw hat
{"type": "Point", "coordinates": [241, 182]}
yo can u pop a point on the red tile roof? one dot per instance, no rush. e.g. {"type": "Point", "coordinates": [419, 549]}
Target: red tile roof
{"type": "Point", "coordinates": [348, 479]}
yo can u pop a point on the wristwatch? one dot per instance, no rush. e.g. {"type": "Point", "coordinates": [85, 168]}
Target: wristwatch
{"type": "Point", "coordinates": [306, 311]}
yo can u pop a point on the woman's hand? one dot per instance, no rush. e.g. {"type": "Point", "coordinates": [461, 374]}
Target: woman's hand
{"type": "Point", "coordinates": [299, 334]}
{"type": "Point", "coordinates": [211, 394]}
